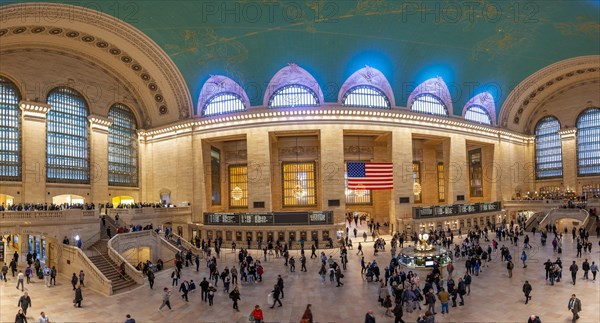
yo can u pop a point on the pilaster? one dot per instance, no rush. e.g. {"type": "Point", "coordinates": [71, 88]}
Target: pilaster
{"type": "Point", "coordinates": [99, 158]}
{"type": "Point", "coordinates": [34, 151]}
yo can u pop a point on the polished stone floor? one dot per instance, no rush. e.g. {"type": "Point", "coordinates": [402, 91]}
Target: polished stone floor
{"type": "Point", "coordinates": [494, 296]}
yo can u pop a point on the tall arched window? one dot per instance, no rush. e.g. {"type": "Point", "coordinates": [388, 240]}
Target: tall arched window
{"type": "Point", "coordinates": [548, 151]}
{"type": "Point", "coordinates": [365, 96]}
{"type": "Point", "coordinates": [430, 104]}
{"type": "Point", "coordinates": [588, 142]}
{"type": "Point", "coordinates": [67, 138]}
{"type": "Point", "coordinates": [294, 96]}
{"type": "Point", "coordinates": [10, 137]}
{"type": "Point", "coordinates": [122, 147]}
{"type": "Point", "coordinates": [478, 114]}
{"type": "Point", "coordinates": [223, 103]}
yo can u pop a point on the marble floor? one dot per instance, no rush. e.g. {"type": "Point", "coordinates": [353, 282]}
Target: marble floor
{"type": "Point", "coordinates": [494, 297]}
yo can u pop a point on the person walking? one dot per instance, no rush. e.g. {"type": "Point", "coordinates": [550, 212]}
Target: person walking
{"type": "Point", "coordinates": [585, 266]}
{"type": "Point", "coordinates": [81, 278]}
{"type": "Point", "coordinates": [303, 263]}
{"type": "Point", "coordinates": [360, 251]}
{"type": "Point", "coordinates": [398, 312]}
{"type": "Point", "coordinates": [166, 300]}
{"type": "Point", "coordinates": [524, 258]}
{"type": "Point", "coordinates": [575, 307]}
{"type": "Point", "coordinates": [527, 290]}
{"type": "Point", "coordinates": [78, 297]}
{"type": "Point", "coordinates": [257, 314]}
{"type": "Point", "coordinates": [534, 319]}
{"type": "Point", "coordinates": [369, 317]}
{"type": "Point", "coordinates": [276, 293]}
{"type": "Point", "coordinates": [444, 298]}
{"type": "Point", "coordinates": [53, 276]}
{"type": "Point", "coordinates": [204, 284]}
{"type": "Point", "coordinates": [20, 317]}
{"type": "Point", "coordinates": [235, 297]}
{"type": "Point", "coordinates": [280, 285]}
{"type": "Point", "coordinates": [151, 277]}
{"type": "Point", "coordinates": [20, 278]}
{"type": "Point", "coordinates": [44, 319]}
{"type": "Point", "coordinates": [573, 269]}
{"type": "Point", "coordinates": [211, 294]}
{"type": "Point", "coordinates": [184, 288]}
{"type": "Point", "coordinates": [307, 317]}
{"type": "Point", "coordinates": [338, 276]}
{"type": "Point", "coordinates": [74, 281]}
{"type": "Point", "coordinates": [24, 303]}
{"type": "Point", "coordinates": [129, 319]}
{"type": "Point", "coordinates": [594, 269]}
{"type": "Point", "coordinates": [509, 267]}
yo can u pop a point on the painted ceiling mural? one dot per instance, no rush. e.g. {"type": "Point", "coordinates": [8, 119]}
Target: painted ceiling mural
{"type": "Point", "coordinates": [475, 46]}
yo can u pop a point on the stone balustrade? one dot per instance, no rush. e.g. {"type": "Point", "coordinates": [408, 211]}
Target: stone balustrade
{"type": "Point", "coordinates": [72, 259]}
{"type": "Point", "coordinates": [51, 216]}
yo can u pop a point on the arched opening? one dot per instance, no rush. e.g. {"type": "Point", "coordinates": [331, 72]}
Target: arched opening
{"type": "Point", "coordinates": [165, 196]}
{"type": "Point", "coordinates": [6, 200]}
{"type": "Point", "coordinates": [122, 200]}
{"type": "Point", "coordinates": [138, 255]}
{"type": "Point", "coordinates": [68, 198]}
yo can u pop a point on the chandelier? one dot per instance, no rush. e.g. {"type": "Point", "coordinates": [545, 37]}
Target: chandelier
{"type": "Point", "coordinates": [416, 188]}
{"type": "Point", "coordinates": [237, 193]}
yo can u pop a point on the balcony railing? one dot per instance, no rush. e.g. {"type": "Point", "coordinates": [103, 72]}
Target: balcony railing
{"type": "Point", "coordinates": [64, 215]}
{"type": "Point", "coordinates": [454, 209]}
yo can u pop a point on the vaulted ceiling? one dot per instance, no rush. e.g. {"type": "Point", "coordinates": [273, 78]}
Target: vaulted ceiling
{"type": "Point", "coordinates": [474, 46]}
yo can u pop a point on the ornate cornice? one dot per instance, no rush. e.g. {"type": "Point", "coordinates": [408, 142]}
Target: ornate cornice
{"type": "Point", "coordinates": [520, 99]}
{"type": "Point", "coordinates": [31, 12]}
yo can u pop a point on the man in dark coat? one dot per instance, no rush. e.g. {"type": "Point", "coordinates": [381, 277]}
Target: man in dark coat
{"type": "Point", "coordinates": [527, 290]}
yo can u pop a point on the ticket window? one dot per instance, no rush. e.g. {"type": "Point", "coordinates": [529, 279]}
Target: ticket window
{"type": "Point", "coordinates": [209, 235]}
{"type": "Point", "coordinates": [281, 236]}
{"type": "Point", "coordinates": [315, 235]}
{"type": "Point", "coordinates": [292, 236]}
{"type": "Point", "coordinates": [238, 236]}
{"type": "Point", "coordinates": [219, 234]}
{"type": "Point", "coordinates": [248, 236]}
{"type": "Point", "coordinates": [325, 235]}
{"type": "Point", "coordinates": [303, 235]}
{"type": "Point", "coordinates": [259, 236]}
{"type": "Point", "coordinates": [270, 236]}
{"type": "Point", "coordinates": [228, 235]}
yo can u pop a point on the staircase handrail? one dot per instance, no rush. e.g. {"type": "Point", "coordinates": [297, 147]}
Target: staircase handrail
{"type": "Point", "coordinates": [91, 240]}
{"type": "Point", "coordinates": [90, 268]}
{"type": "Point", "coordinates": [135, 274]}
{"type": "Point", "coordinates": [586, 219]}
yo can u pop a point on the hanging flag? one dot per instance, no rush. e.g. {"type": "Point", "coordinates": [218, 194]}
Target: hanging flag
{"type": "Point", "coordinates": [370, 176]}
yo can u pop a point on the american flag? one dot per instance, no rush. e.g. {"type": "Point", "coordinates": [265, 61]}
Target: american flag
{"type": "Point", "coordinates": [370, 176]}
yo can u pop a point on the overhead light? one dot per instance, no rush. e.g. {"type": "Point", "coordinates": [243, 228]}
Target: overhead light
{"type": "Point", "coordinates": [237, 193]}
{"type": "Point", "coordinates": [417, 189]}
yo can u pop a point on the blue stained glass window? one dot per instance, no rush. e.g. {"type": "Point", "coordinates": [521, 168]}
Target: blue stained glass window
{"type": "Point", "coordinates": [10, 136]}
{"type": "Point", "coordinates": [430, 104]}
{"type": "Point", "coordinates": [588, 142]}
{"type": "Point", "coordinates": [366, 97]}
{"type": "Point", "coordinates": [293, 96]}
{"type": "Point", "coordinates": [548, 149]}
{"type": "Point", "coordinates": [122, 147]}
{"type": "Point", "coordinates": [67, 138]}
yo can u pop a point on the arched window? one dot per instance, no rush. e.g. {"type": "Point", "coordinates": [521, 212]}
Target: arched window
{"type": "Point", "coordinates": [430, 104]}
{"type": "Point", "coordinates": [67, 138]}
{"type": "Point", "coordinates": [548, 151]}
{"type": "Point", "coordinates": [478, 114]}
{"type": "Point", "coordinates": [223, 103]}
{"type": "Point", "coordinates": [588, 142]}
{"type": "Point", "coordinates": [122, 147]}
{"type": "Point", "coordinates": [10, 137]}
{"type": "Point", "coordinates": [293, 96]}
{"type": "Point", "coordinates": [365, 96]}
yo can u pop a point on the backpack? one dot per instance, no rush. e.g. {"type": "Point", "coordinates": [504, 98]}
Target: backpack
{"type": "Point", "coordinates": [510, 265]}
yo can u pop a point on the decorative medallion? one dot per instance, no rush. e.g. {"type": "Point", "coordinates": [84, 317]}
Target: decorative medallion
{"type": "Point", "coordinates": [102, 44]}
{"type": "Point", "coordinates": [158, 98]}
{"type": "Point", "coordinates": [115, 51]}
{"type": "Point", "coordinates": [152, 87]}
{"type": "Point", "coordinates": [56, 31]}
{"type": "Point", "coordinates": [38, 30]}
{"type": "Point", "coordinates": [136, 67]}
{"type": "Point", "coordinates": [3, 32]}
{"type": "Point", "coordinates": [163, 110]}
{"type": "Point", "coordinates": [145, 77]}
{"type": "Point", "coordinates": [126, 59]}
{"type": "Point", "coordinates": [19, 30]}
{"type": "Point", "coordinates": [88, 39]}
{"type": "Point", "coordinates": [72, 34]}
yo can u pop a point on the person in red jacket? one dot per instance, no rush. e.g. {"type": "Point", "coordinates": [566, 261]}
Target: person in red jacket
{"type": "Point", "coordinates": [257, 314]}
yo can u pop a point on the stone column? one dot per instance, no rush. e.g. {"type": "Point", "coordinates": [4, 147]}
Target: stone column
{"type": "Point", "coordinates": [458, 171]}
{"type": "Point", "coordinates": [99, 158]}
{"type": "Point", "coordinates": [403, 183]}
{"type": "Point", "coordinates": [33, 152]}
{"type": "Point", "coordinates": [569, 158]}
{"type": "Point", "coordinates": [259, 170]}
{"type": "Point", "coordinates": [332, 171]}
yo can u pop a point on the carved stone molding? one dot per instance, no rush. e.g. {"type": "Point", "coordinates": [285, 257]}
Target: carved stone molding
{"type": "Point", "coordinates": [292, 74]}
{"type": "Point", "coordinates": [19, 14]}
{"type": "Point", "coordinates": [368, 76]}
{"type": "Point", "coordinates": [547, 79]}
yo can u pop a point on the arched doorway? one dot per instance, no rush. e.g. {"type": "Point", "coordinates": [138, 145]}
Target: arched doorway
{"type": "Point", "coordinates": [6, 200]}
{"type": "Point", "coordinates": [122, 200]}
{"type": "Point", "coordinates": [68, 198]}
